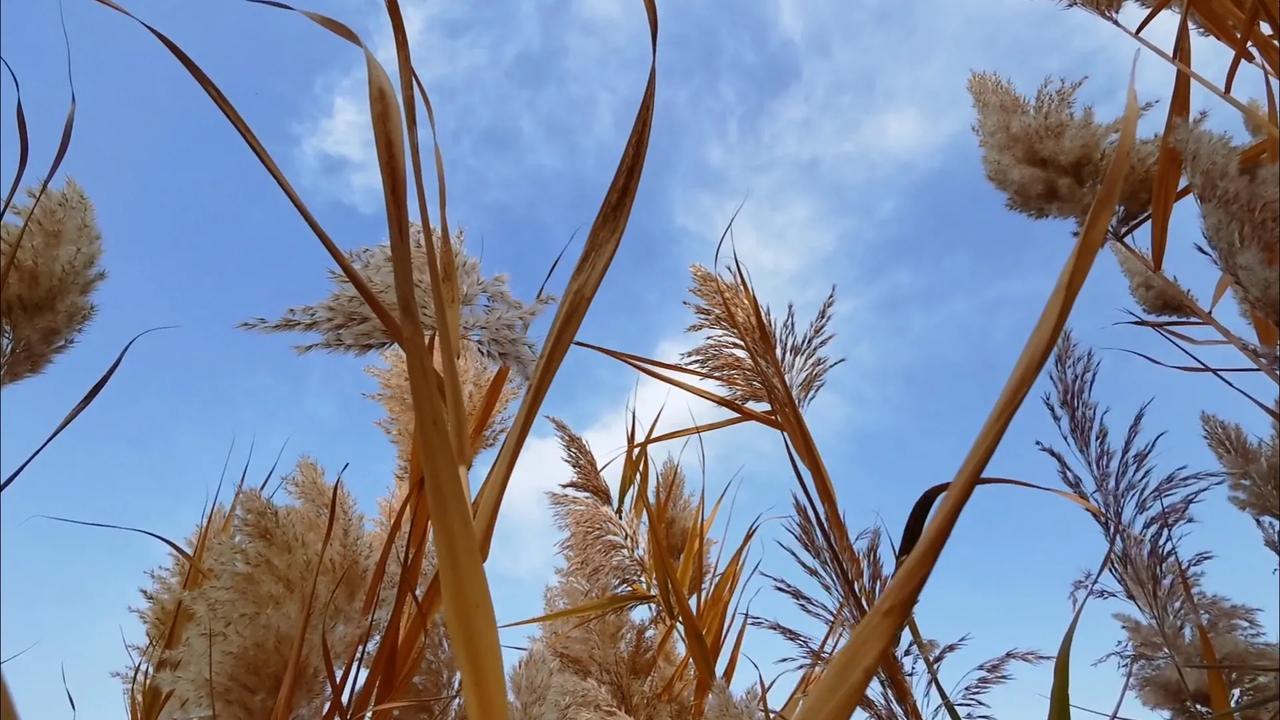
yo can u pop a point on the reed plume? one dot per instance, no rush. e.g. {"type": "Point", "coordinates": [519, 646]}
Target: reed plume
{"type": "Point", "coordinates": [492, 319]}
{"type": "Point", "coordinates": [51, 259]}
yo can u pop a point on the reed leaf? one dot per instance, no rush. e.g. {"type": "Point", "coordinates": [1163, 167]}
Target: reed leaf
{"type": "Point", "coordinates": [837, 693]}
{"type": "Point", "coordinates": [94, 391]}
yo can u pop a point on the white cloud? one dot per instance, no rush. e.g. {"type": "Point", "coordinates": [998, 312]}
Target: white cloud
{"type": "Point", "coordinates": [338, 145]}
{"type": "Point", "coordinates": [512, 88]}
{"type": "Point", "coordinates": [874, 100]}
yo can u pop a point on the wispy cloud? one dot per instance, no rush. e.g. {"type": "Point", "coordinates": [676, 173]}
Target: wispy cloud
{"type": "Point", "coordinates": [821, 118]}
{"type": "Point", "coordinates": [515, 87]}
{"type": "Point", "coordinates": [826, 119]}
{"type": "Point", "coordinates": [868, 102]}
{"type": "Point", "coordinates": [338, 146]}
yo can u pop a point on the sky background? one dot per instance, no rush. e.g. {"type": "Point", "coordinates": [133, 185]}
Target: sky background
{"type": "Point", "coordinates": [845, 128]}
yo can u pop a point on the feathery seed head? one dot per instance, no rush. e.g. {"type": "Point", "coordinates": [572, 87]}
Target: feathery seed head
{"type": "Point", "coordinates": [1162, 651]}
{"type": "Point", "coordinates": [46, 299]}
{"type": "Point", "coordinates": [491, 318]}
{"type": "Point", "coordinates": [757, 362]}
{"type": "Point", "coordinates": [1154, 293]}
{"type": "Point", "coordinates": [1253, 472]}
{"type": "Point", "coordinates": [1049, 157]}
{"type": "Point", "coordinates": [475, 373]}
{"type": "Point", "coordinates": [1253, 122]}
{"type": "Point", "coordinates": [242, 618]}
{"type": "Point", "coordinates": [1240, 206]}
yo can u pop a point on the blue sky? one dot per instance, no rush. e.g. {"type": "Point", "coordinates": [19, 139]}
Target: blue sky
{"type": "Point", "coordinates": [844, 127]}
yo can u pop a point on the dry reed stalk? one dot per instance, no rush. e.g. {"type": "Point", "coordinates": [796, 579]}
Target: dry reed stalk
{"type": "Point", "coordinates": [841, 687]}
{"type": "Point", "coordinates": [8, 711]}
{"type": "Point", "coordinates": [648, 548]}
{"type": "Point", "coordinates": [440, 421]}
{"type": "Point", "coordinates": [1248, 29]}
{"type": "Point", "coordinates": [1238, 191]}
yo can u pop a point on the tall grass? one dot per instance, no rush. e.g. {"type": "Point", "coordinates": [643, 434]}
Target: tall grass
{"type": "Point", "coordinates": [301, 607]}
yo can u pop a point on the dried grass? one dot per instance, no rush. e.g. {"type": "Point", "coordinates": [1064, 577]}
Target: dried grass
{"type": "Point", "coordinates": [302, 608]}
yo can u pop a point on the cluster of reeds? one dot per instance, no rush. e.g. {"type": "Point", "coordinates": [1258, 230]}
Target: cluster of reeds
{"type": "Point", "coordinates": [294, 605]}
{"type": "Point", "coordinates": [1187, 652]}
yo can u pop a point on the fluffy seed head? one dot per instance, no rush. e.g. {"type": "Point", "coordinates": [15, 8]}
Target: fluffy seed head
{"type": "Point", "coordinates": [1049, 157]}
{"type": "Point", "coordinates": [475, 372]}
{"type": "Point", "coordinates": [240, 620]}
{"type": "Point", "coordinates": [1162, 651]}
{"type": "Point", "coordinates": [757, 362]}
{"type": "Point", "coordinates": [492, 319]}
{"type": "Point", "coordinates": [1240, 206]}
{"type": "Point", "coordinates": [1253, 122]}
{"type": "Point", "coordinates": [1252, 467]}
{"type": "Point", "coordinates": [46, 299]}
{"type": "Point", "coordinates": [1155, 294]}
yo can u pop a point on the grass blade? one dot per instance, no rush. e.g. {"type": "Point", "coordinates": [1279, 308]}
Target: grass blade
{"type": "Point", "coordinates": [1124, 691]}
{"type": "Point", "coordinates": [1263, 329]}
{"type": "Point", "coordinates": [484, 413]}
{"type": "Point", "coordinates": [468, 605]}
{"type": "Point", "coordinates": [1213, 371]}
{"type": "Point", "coordinates": [20, 653]}
{"type": "Point", "coordinates": [597, 255]}
{"type": "Point", "coordinates": [1215, 681]}
{"type": "Point", "coordinates": [1156, 9]}
{"type": "Point", "coordinates": [1241, 49]}
{"type": "Point", "coordinates": [1060, 694]}
{"type": "Point", "coordinates": [64, 142]}
{"type": "Point", "coordinates": [1271, 146]}
{"type": "Point", "coordinates": [80, 407]}
{"type": "Point", "coordinates": [1219, 290]}
{"type": "Point", "coordinates": [840, 689]}
{"type": "Point", "coordinates": [624, 356]}
{"type": "Point", "coordinates": [643, 367]}
{"type": "Point", "coordinates": [67, 690]}
{"type": "Point", "coordinates": [1169, 159]}
{"type": "Point", "coordinates": [919, 514]}
{"type": "Point", "coordinates": [695, 639]}
{"type": "Point", "coordinates": [591, 607]}
{"type": "Point", "coordinates": [441, 266]}
{"type": "Point", "coordinates": [731, 665]}
{"type": "Point", "coordinates": [1185, 368]}
{"type": "Point", "coordinates": [250, 138]}
{"type": "Point", "coordinates": [1237, 667]}
{"type": "Point", "coordinates": [175, 547]}
{"type": "Point", "coordinates": [1205, 82]}
{"type": "Point", "coordinates": [24, 145]}
{"type": "Point", "coordinates": [932, 670]}
{"type": "Point", "coordinates": [696, 430]}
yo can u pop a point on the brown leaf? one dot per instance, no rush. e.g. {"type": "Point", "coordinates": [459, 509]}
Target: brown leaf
{"type": "Point", "coordinates": [840, 689]}
{"type": "Point", "coordinates": [1169, 159]}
